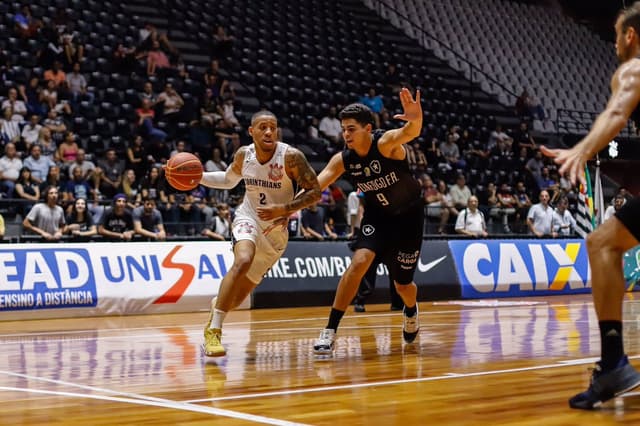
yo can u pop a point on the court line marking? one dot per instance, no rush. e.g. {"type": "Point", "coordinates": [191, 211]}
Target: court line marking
{"type": "Point", "coordinates": [559, 364]}
{"type": "Point", "coordinates": [164, 404]}
{"type": "Point", "coordinates": [134, 398]}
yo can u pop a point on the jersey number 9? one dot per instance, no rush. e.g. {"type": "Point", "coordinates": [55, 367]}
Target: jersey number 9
{"type": "Point", "coordinates": [383, 200]}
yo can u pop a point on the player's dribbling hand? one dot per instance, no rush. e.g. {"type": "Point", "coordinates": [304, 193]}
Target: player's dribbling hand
{"type": "Point", "coordinates": [571, 161]}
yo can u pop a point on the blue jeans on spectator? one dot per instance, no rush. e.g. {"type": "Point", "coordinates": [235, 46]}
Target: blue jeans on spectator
{"type": "Point", "coordinates": [151, 131]}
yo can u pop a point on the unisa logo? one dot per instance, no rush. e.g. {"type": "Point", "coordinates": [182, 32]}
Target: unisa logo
{"type": "Point", "coordinates": [522, 267]}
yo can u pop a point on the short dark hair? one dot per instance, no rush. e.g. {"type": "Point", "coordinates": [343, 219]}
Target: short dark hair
{"type": "Point", "coordinates": [260, 113]}
{"type": "Point", "coordinates": [631, 17]}
{"type": "Point", "coordinates": [359, 112]}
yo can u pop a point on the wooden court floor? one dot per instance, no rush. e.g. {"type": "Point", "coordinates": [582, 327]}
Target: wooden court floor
{"type": "Point", "coordinates": [498, 362]}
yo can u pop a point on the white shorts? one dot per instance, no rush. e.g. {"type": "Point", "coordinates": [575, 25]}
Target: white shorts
{"type": "Point", "coordinates": [269, 247]}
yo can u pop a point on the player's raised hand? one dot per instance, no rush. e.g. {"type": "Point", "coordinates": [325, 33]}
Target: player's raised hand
{"type": "Point", "coordinates": [412, 107]}
{"type": "Point", "coordinates": [571, 161]}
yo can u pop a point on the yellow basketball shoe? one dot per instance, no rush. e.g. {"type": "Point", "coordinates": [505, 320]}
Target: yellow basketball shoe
{"type": "Point", "coordinates": [212, 344]}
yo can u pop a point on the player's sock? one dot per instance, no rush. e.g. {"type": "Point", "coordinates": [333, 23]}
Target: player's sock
{"type": "Point", "coordinates": [610, 344]}
{"type": "Point", "coordinates": [334, 319]}
{"type": "Point", "coordinates": [410, 311]}
{"type": "Point", "coordinates": [218, 318]}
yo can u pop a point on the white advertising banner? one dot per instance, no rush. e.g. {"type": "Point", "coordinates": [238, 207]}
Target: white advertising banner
{"type": "Point", "coordinates": [69, 280]}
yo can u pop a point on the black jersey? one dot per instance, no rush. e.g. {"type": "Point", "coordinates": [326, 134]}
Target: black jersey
{"type": "Point", "coordinates": [388, 186]}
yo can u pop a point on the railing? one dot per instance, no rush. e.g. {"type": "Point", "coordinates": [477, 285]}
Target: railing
{"type": "Point", "coordinates": [381, 5]}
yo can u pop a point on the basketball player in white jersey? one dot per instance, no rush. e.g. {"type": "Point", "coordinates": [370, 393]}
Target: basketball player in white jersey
{"type": "Point", "coordinates": [269, 169]}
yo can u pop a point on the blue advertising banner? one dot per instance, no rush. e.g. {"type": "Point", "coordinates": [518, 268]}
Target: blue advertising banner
{"type": "Point", "coordinates": [46, 278]}
{"type": "Point", "coordinates": [504, 268]}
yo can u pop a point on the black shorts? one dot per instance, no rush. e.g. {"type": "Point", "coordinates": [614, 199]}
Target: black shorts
{"type": "Point", "coordinates": [397, 239]}
{"type": "Point", "coordinates": [629, 215]}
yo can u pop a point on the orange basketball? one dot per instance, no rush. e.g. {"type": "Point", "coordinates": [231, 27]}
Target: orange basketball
{"type": "Point", "coordinates": [183, 171]}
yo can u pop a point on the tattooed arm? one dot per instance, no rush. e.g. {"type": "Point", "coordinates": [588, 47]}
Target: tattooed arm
{"type": "Point", "coordinates": [298, 169]}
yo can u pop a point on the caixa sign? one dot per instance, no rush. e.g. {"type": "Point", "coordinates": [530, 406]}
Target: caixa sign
{"type": "Point", "coordinates": [521, 267]}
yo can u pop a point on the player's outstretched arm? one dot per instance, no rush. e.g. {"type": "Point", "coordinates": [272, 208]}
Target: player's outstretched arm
{"type": "Point", "coordinates": [298, 169]}
{"type": "Point", "coordinates": [392, 140]}
{"type": "Point", "coordinates": [625, 95]}
{"type": "Point", "coordinates": [229, 178]}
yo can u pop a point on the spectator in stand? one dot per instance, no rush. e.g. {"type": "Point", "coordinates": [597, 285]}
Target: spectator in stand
{"type": "Point", "coordinates": [9, 129]}
{"type": "Point", "coordinates": [435, 202]}
{"type": "Point", "coordinates": [222, 45]}
{"type": "Point", "coordinates": [27, 191]}
{"type": "Point", "coordinates": [149, 35]}
{"type": "Point", "coordinates": [80, 223]}
{"type": "Point", "coordinates": [156, 59]}
{"type": "Point", "coordinates": [77, 187]}
{"type": "Point", "coordinates": [534, 167]}
{"type": "Point", "coordinates": [78, 86]}
{"type": "Point", "coordinates": [470, 221]}
{"type": "Point", "coordinates": [563, 222]}
{"type": "Point", "coordinates": [488, 199]}
{"type": "Point", "coordinates": [312, 223]}
{"type": "Point", "coordinates": [55, 74]}
{"type": "Point", "coordinates": [31, 131]}
{"type": "Point", "coordinates": [153, 188]}
{"type": "Point", "coordinates": [56, 125]}
{"type": "Point", "coordinates": [460, 193]}
{"type": "Point", "coordinates": [185, 213]}
{"type": "Point", "coordinates": [68, 150]}
{"type": "Point", "coordinates": [10, 166]}
{"type": "Point", "coordinates": [83, 164]}
{"type": "Point", "coordinates": [137, 158]}
{"type": "Point", "coordinates": [147, 221]}
{"type": "Point", "coordinates": [172, 103]}
{"type": "Point", "coordinates": [124, 59]}
{"type": "Point", "coordinates": [522, 138]}
{"type": "Point", "coordinates": [498, 135]}
{"type": "Point", "coordinates": [145, 124]}
{"type": "Point", "coordinates": [221, 224]}
{"type": "Point", "coordinates": [625, 193]}
{"type": "Point", "coordinates": [451, 154]}
{"type": "Point", "coordinates": [217, 164]}
{"type": "Point", "coordinates": [229, 114]}
{"type": "Point", "coordinates": [209, 108]}
{"type": "Point", "coordinates": [47, 218]}
{"type": "Point", "coordinates": [108, 174]}
{"type": "Point", "coordinates": [53, 50]}
{"type": "Point", "coordinates": [618, 202]}
{"type": "Point", "coordinates": [54, 179]}
{"type": "Point", "coordinates": [17, 106]}
{"type": "Point", "coordinates": [478, 155]}
{"type": "Point", "coordinates": [331, 129]}
{"type": "Point", "coordinates": [148, 94]}
{"type": "Point", "coordinates": [26, 25]}
{"type": "Point", "coordinates": [117, 222]}
{"type": "Point", "coordinates": [355, 210]}
{"type": "Point", "coordinates": [523, 202]}
{"type": "Point", "coordinates": [540, 217]}
{"type": "Point", "coordinates": [72, 46]}
{"type": "Point", "coordinates": [528, 106]}
{"type": "Point", "coordinates": [31, 95]}
{"type": "Point", "coordinates": [130, 188]}
{"type": "Point", "coordinates": [53, 101]}
{"type": "Point", "coordinates": [38, 164]}
{"type": "Point", "coordinates": [546, 182]}
{"type": "Point", "coordinates": [505, 207]}
{"type": "Point", "coordinates": [375, 104]}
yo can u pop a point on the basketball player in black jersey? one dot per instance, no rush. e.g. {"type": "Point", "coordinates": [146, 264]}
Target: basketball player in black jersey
{"type": "Point", "coordinates": [376, 164]}
{"type": "Point", "coordinates": [613, 375]}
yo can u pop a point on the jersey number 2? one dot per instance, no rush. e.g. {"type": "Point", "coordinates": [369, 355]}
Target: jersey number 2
{"type": "Point", "coordinates": [263, 198]}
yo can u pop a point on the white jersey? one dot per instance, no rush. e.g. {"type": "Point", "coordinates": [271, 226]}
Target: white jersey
{"type": "Point", "coordinates": [266, 184]}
